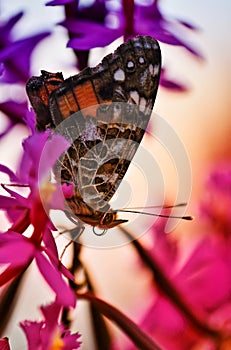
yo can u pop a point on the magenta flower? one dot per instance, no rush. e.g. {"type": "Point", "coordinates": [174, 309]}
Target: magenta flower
{"type": "Point", "coordinates": [49, 333]}
{"type": "Point", "coordinates": [18, 251]}
{"type": "Point", "coordinates": [188, 310]}
{"type": "Point", "coordinates": [217, 201]}
{"type": "Point", "coordinates": [4, 344]}
{"type": "Point", "coordinates": [31, 208]}
{"type": "Point", "coordinates": [16, 254]}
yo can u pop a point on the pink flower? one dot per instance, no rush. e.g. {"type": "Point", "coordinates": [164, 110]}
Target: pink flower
{"type": "Point", "coordinates": [49, 333]}
{"type": "Point", "coordinates": [4, 344]}
{"type": "Point", "coordinates": [16, 254]}
{"type": "Point", "coordinates": [18, 251]}
{"type": "Point", "coordinates": [191, 296]}
{"type": "Point", "coordinates": [216, 202]}
{"type": "Point", "coordinates": [40, 155]}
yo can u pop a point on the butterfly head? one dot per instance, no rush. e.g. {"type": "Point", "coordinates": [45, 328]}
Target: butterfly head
{"type": "Point", "coordinates": [109, 220]}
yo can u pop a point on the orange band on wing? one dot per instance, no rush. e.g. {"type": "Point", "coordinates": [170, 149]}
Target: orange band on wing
{"type": "Point", "coordinates": [80, 97]}
{"type": "Point", "coordinates": [85, 95]}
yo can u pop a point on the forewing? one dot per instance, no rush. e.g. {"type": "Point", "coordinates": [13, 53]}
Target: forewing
{"type": "Point", "coordinates": [110, 106]}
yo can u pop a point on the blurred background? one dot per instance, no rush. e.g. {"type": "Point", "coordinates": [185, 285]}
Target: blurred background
{"type": "Point", "coordinates": [200, 117]}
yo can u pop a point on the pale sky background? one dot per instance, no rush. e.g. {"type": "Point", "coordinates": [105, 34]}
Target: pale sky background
{"type": "Point", "coordinates": [200, 117]}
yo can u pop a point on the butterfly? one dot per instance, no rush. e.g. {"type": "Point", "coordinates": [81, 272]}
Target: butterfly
{"type": "Point", "coordinates": [104, 111]}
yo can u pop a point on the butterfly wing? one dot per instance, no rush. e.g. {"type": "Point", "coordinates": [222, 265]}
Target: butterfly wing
{"type": "Point", "coordinates": [111, 105]}
{"type": "Point", "coordinates": [104, 111]}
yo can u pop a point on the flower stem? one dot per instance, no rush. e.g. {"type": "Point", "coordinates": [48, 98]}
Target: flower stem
{"type": "Point", "coordinates": [140, 339]}
{"type": "Point", "coordinates": [102, 336]}
{"type": "Point", "coordinates": [129, 9]}
{"type": "Point", "coordinates": [71, 10]}
{"type": "Point", "coordinates": [22, 223]}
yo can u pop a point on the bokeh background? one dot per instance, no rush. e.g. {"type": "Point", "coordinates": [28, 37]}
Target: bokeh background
{"type": "Point", "coordinates": [200, 117]}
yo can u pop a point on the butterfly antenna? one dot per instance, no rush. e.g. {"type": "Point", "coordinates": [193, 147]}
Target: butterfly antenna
{"type": "Point", "coordinates": [187, 217]}
{"type": "Point", "coordinates": [157, 206]}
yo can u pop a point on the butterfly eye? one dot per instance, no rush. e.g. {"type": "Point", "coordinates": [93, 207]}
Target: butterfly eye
{"type": "Point", "coordinates": [130, 65]}
{"type": "Point", "coordinates": [141, 60]}
{"type": "Point", "coordinates": [108, 218]}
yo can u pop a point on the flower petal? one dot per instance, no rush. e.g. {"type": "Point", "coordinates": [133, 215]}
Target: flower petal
{"type": "Point", "coordinates": [90, 34]}
{"type": "Point", "coordinates": [58, 2]}
{"type": "Point", "coordinates": [40, 155]}
{"type": "Point", "coordinates": [16, 58]}
{"type": "Point", "coordinates": [15, 249]}
{"type": "Point", "coordinates": [32, 331]}
{"type": "Point", "coordinates": [4, 344]}
{"type": "Point", "coordinates": [30, 119]}
{"type": "Point", "coordinates": [170, 84]}
{"type": "Point", "coordinates": [4, 169]}
{"type": "Point", "coordinates": [14, 110]}
{"type": "Point", "coordinates": [71, 340]}
{"type": "Point", "coordinates": [7, 27]}
{"type": "Point", "coordinates": [65, 296]}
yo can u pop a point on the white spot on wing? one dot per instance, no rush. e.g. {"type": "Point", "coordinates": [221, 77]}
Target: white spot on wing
{"type": "Point", "coordinates": [156, 70]}
{"type": "Point", "coordinates": [119, 75]}
{"type": "Point", "coordinates": [142, 105]}
{"type": "Point", "coordinates": [151, 69]}
{"type": "Point", "coordinates": [135, 96]}
{"type": "Point", "coordinates": [130, 64]}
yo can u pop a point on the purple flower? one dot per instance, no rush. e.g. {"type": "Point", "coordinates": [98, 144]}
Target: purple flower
{"type": "Point", "coordinates": [98, 25]}
{"type": "Point", "coordinates": [15, 60]}
{"type": "Point", "coordinates": [87, 28]}
{"type": "Point", "coordinates": [88, 34]}
{"type": "Point", "coordinates": [49, 333]}
{"type": "Point", "coordinates": [170, 84]}
{"type": "Point", "coordinates": [149, 20]}
{"type": "Point", "coordinates": [16, 54]}
{"type": "Point", "coordinates": [15, 113]}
